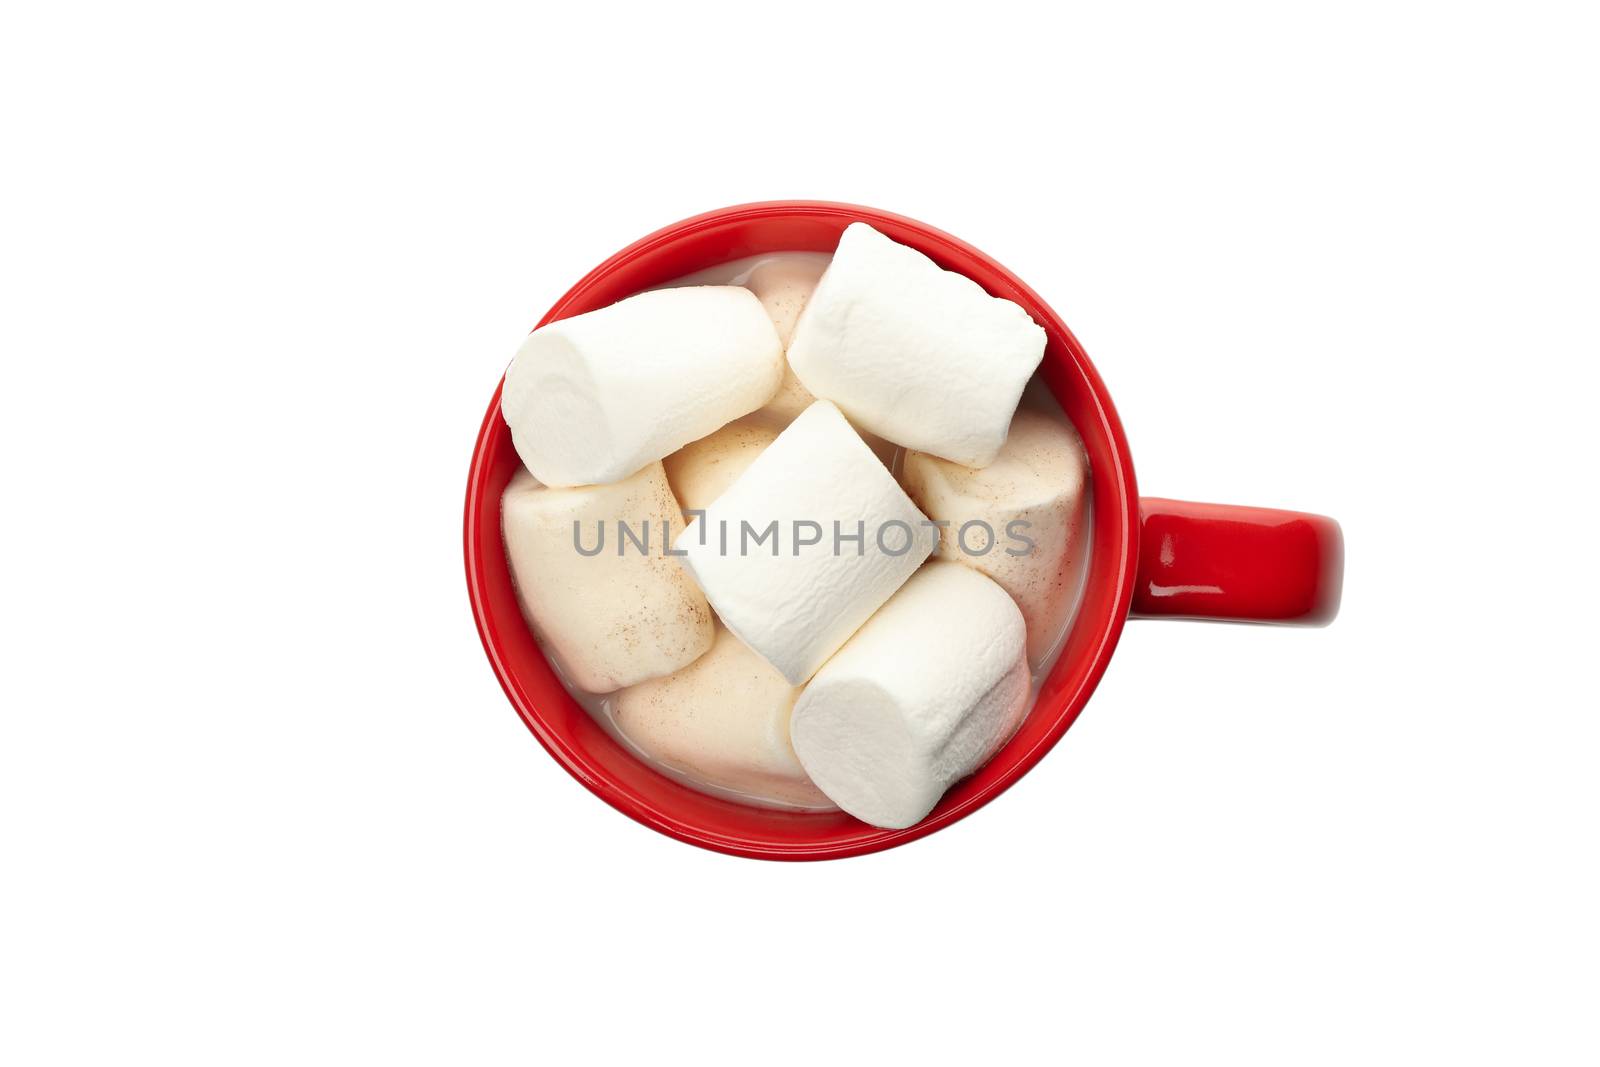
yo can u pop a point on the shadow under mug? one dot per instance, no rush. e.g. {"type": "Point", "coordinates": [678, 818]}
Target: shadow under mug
{"type": "Point", "coordinates": [1150, 557]}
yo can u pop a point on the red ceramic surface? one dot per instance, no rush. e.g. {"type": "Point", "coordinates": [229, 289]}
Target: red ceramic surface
{"type": "Point", "coordinates": [1217, 561]}
{"type": "Point", "coordinates": [1164, 558]}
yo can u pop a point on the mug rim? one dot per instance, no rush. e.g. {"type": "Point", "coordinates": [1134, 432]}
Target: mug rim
{"type": "Point", "coordinates": [1116, 562]}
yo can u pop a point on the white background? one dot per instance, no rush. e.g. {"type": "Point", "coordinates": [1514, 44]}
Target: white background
{"type": "Point", "coordinates": [261, 799]}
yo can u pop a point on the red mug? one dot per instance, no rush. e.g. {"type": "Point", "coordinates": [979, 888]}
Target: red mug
{"type": "Point", "coordinates": [1149, 557]}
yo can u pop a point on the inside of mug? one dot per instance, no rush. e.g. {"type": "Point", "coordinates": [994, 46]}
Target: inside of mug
{"type": "Point", "coordinates": [583, 744]}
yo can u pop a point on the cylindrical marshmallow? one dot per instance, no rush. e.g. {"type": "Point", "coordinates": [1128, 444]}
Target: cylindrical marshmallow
{"type": "Point", "coordinates": [723, 720]}
{"type": "Point", "coordinates": [610, 605]}
{"type": "Point", "coordinates": [921, 356]}
{"type": "Point", "coordinates": [1019, 520]}
{"type": "Point", "coordinates": [919, 698]}
{"type": "Point", "coordinates": [806, 543]}
{"type": "Point", "coordinates": [592, 399]}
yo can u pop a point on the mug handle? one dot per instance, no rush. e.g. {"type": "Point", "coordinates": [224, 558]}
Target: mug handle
{"type": "Point", "coordinates": [1237, 564]}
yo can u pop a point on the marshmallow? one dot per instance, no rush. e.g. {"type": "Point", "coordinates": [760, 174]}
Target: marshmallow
{"type": "Point", "coordinates": [800, 550]}
{"type": "Point", "coordinates": [723, 720]}
{"type": "Point", "coordinates": [920, 697]}
{"type": "Point", "coordinates": [612, 618]}
{"type": "Point", "coordinates": [783, 286]}
{"type": "Point", "coordinates": [592, 399]}
{"type": "Point", "coordinates": [1037, 483]}
{"type": "Point", "coordinates": [701, 470]}
{"type": "Point", "coordinates": [920, 355]}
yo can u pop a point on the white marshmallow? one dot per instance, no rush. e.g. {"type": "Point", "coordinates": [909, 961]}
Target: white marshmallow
{"type": "Point", "coordinates": [783, 286]}
{"type": "Point", "coordinates": [920, 697]}
{"type": "Point", "coordinates": [593, 398]}
{"type": "Point", "coordinates": [773, 415]}
{"type": "Point", "coordinates": [1038, 482]}
{"type": "Point", "coordinates": [920, 355]}
{"type": "Point", "coordinates": [701, 470]}
{"type": "Point", "coordinates": [796, 602]}
{"type": "Point", "coordinates": [616, 617]}
{"type": "Point", "coordinates": [724, 720]}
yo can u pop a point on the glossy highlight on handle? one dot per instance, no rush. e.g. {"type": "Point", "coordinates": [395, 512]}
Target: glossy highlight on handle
{"type": "Point", "coordinates": [1239, 564]}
